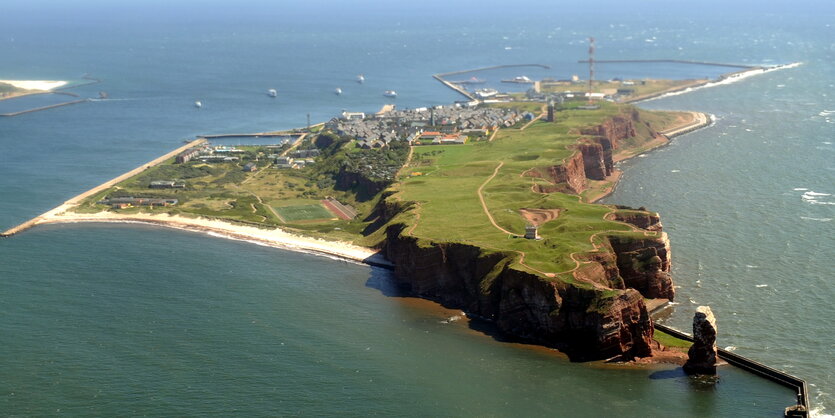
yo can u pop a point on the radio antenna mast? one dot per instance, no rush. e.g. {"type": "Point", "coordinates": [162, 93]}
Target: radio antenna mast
{"type": "Point", "coordinates": [591, 66]}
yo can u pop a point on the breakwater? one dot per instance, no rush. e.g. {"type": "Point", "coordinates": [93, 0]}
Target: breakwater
{"type": "Point", "coordinates": [464, 92]}
{"type": "Point", "coordinates": [700, 120]}
{"type": "Point", "coordinates": [44, 107]}
{"type": "Point", "coordinates": [251, 135]}
{"type": "Point", "coordinates": [673, 61]}
{"type": "Point", "coordinates": [770, 373]}
{"type": "Point", "coordinates": [493, 67]}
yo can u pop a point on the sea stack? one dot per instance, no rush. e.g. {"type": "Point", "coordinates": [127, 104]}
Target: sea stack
{"type": "Point", "coordinates": [701, 358]}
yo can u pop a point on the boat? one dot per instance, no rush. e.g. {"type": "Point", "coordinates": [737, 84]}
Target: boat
{"type": "Point", "coordinates": [520, 80]}
{"type": "Point", "coordinates": [272, 93]}
{"type": "Point", "coordinates": [390, 93]}
{"type": "Point", "coordinates": [198, 104]}
{"type": "Point", "coordinates": [360, 79]}
{"type": "Point", "coordinates": [486, 93]}
{"type": "Point", "coordinates": [471, 80]}
{"type": "Point", "coordinates": [338, 91]}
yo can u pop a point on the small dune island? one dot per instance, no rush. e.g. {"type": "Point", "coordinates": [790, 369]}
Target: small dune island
{"type": "Point", "coordinates": [486, 207]}
{"type": "Point", "coordinates": [17, 88]}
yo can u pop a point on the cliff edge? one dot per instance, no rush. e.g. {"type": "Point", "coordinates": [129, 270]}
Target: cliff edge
{"type": "Point", "coordinates": [455, 232]}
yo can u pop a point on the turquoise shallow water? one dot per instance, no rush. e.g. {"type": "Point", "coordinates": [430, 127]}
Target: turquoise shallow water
{"type": "Point", "coordinates": [116, 320]}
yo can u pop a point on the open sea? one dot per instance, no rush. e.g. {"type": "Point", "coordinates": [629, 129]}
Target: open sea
{"type": "Point", "coordinates": [115, 320]}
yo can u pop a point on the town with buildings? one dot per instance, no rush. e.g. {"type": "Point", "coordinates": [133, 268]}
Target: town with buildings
{"type": "Point", "coordinates": [437, 125]}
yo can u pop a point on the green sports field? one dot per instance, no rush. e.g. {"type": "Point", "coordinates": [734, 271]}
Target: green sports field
{"type": "Point", "coordinates": [303, 213]}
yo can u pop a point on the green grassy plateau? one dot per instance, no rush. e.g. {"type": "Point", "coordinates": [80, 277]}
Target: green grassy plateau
{"type": "Point", "coordinates": [446, 183]}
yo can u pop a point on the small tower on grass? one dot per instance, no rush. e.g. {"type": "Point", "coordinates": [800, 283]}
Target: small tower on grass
{"type": "Point", "coordinates": [532, 232]}
{"type": "Point", "coordinates": [550, 111]}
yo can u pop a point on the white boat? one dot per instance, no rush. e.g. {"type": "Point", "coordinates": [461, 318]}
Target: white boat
{"type": "Point", "coordinates": [338, 91]}
{"type": "Point", "coordinates": [272, 93]}
{"type": "Point", "coordinates": [198, 104]}
{"type": "Point", "coordinates": [485, 93]}
{"type": "Point", "coordinates": [390, 93]}
{"type": "Point", "coordinates": [520, 79]}
{"type": "Point", "coordinates": [360, 79]}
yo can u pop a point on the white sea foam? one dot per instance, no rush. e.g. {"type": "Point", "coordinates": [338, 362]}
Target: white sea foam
{"type": "Point", "coordinates": [761, 285]}
{"type": "Point", "coordinates": [452, 319]}
{"type": "Point", "coordinates": [730, 348]}
{"type": "Point", "coordinates": [818, 413]}
{"type": "Point", "coordinates": [675, 171]}
{"type": "Point", "coordinates": [816, 219]}
{"type": "Point", "coordinates": [729, 80]}
{"type": "Point", "coordinates": [800, 189]}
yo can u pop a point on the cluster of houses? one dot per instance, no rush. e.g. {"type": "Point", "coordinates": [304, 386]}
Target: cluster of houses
{"type": "Point", "coordinates": [297, 159]}
{"type": "Point", "coordinates": [426, 126]}
{"type": "Point", "coordinates": [127, 202]}
{"type": "Point", "coordinates": [166, 184]}
{"type": "Point", "coordinates": [208, 154]}
{"type": "Point", "coordinates": [219, 154]}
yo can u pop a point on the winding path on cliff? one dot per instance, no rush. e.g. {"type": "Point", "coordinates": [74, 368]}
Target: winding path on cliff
{"type": "Point", "coordinates": [484, 204]}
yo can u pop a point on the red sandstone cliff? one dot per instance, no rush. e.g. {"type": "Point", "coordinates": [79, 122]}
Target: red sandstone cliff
{"type": "Point", "coordinates": [593, 159]}
{"type": "Point", "coordinates": [615, 129]}
{"type": "Point", "coordinates": [571, 174]}
{"type": "Point", "coordinates": [601, 315]}
{"type": "Point", "coordinates": [587, 323]}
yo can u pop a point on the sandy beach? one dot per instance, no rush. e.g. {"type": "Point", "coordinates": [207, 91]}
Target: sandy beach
{"type": "Point", "coordinates": [273, 237]}
{"type": "Point", "coordinates": [45, 85]}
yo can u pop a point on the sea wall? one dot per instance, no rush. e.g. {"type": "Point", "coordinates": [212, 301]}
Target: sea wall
{"type": "Point", "coordinates": [586, 322]}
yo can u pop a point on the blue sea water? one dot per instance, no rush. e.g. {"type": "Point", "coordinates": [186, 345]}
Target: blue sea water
{"type": "Point", "coordinates": [117, 320]}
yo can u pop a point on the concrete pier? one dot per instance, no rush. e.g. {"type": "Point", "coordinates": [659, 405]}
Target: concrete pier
{"type": "Point", "coordinates": [700, 120]}
{"type": "Point", "coordinates": [455, 87]}
{"type": "Point", "coordinates": [714, 64]}
{"type": "Point", "coordinates": [777, 376]}
{"type": "Point", "coordinates": [44, 107]}
{"type": "Point", "coordinates": [459, 89]}
{"type": "Point", "coordinates": [106, 185]}
{"type": "Point", "coordinates": [251, 135]}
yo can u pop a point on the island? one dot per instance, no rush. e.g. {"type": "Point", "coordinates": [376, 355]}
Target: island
{"type": "Point", "coordinates": [16, 88]}
{"type": "Point", "coordinates": [484, 207]}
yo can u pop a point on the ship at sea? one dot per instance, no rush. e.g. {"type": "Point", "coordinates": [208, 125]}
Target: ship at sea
{"type": "Point", "coordinates": [338, 91]}
{"type": "Point", "coordinates": [470, 81]}
{"type": "Point", "coordinates": [272, 93]}
{"type": "Point", "coordinates": [519, 80]}
{"type": "Point", "coordinates": [390, 93]}
{"type": "Point", "coordinates": [360, 79]}
{"type": "Point", "coordinates": [198, 104]}
{"type": "Point", "coordinates": [486, 93]}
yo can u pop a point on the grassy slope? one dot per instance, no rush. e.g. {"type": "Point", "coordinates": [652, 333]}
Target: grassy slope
{"type": "Point", "coordinates": [450, 210]}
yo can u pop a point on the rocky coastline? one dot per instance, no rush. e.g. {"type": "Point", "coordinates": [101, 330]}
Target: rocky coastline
{"type": "Point", "coordinates": [598, 312]}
